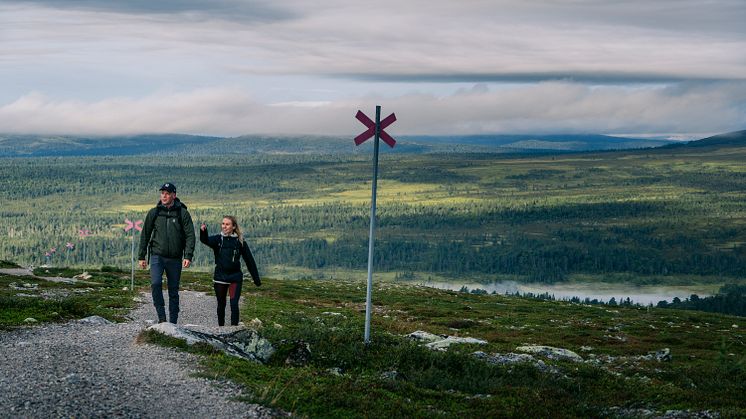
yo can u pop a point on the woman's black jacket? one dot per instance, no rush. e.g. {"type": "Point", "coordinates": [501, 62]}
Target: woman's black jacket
{"type": "Point", "coordinates": [228, 253]}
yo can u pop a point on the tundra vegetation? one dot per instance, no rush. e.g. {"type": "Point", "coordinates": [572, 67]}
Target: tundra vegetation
{"type": "Point", "coordinates": [704, 371]}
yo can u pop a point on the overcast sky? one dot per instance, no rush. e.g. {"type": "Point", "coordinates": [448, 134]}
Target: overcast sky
{"type": "Point", "coordinates": [234, 67]}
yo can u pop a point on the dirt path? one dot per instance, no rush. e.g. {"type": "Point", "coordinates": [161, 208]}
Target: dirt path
{"type": "Point", "coordinates": [98, 370]}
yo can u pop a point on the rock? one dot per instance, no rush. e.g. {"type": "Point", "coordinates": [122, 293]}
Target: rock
{"type": "Point", "coordinates": [30, 320]}
{"type": "Point", "coordinates": [441, 342]}
{"type": "Point", "coordinates": [300, 355]}
{"type": "Point", "coordinates": [246, 344]}
{"type": "Point", "coordinates": [84, 276]}
{"type": "Point", "coordinates": [94, 320]}
{"type": "Point", "coordinates": [735, 326]}
{"type": "Point", "coordinates": [423, 336]}
{"type": "Point", "coordinates": [663, 355]}
{"type": "Point", "coordinates": [506, 359]}
{"type": "Point", "coordinates": [510, 359]}
{"type": "Point", "coordinates": [256, 324]}
{"type": "Point", "coordinates": [23, 286]}
{"type": "Point", "coordinates": [389, 375]}
{"type": "Point", "coordinates": [334, 371]}
{"type": "Point", "coordinates": [551, 352]}
{"type": "Point", "coordinates": [249, 341]}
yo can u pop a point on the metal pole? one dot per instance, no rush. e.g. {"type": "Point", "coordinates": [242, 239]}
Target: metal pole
{"type": "Point", "coordinates": [372, 227]}
{"type": "Point", "coordinates": [132, 262]}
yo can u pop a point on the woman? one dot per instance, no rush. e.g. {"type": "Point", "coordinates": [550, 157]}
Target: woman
{"type": "Point", "coordinates": [229, 247]}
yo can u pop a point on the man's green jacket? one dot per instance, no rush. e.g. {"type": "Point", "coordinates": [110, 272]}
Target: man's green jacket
{"type": "Point", "coordinates": [168, 232]}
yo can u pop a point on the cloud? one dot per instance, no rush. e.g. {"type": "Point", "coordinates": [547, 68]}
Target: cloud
{"type": "Point", "coordinates": [243, 10]}
{"type": "Point", "coordinates": [232, 67]}
{"type": "Point", "coordinates": [549, 107]}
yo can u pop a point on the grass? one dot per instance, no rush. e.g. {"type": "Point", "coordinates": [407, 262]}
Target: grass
{"type": "Point", "coordinates": [23, 297]}
{"type": "Point", "coordinates": [393, 376]}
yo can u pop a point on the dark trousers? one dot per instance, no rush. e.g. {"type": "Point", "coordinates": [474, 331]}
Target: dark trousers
{"type": "Point", "coordinates": [221, 291]}
{"type": "Point", "coordinates": [172, 267]}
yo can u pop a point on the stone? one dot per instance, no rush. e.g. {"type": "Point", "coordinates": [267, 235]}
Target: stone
{"type": "Point", "coordinates": [300, 355]}
{"type": "Point", "coordinates": [246, 344]}
{"type": "Point", "coordinates": [551, 352]}
{"type": "Point", "coordinates": [441, 342]}
{"type": "Point", "coordinates": [256, 324]}
{"type": "Point", "coordinates": [390, 375]}
{"type": "Point", "coordinates": [251, 342]}
{"type": "Point", "coordinates": [334, 371]}
{"type": "Point", "coordinates": [94, 320]}
{"type": "Point", "coordinates": [663, 355]}
{"type": "Point", "coordinates": [423, 336]}
{"type": "Point", "coordinates": [511, 359]}
{"type": "Point", "coordinates": [23, 286]}
{"type": "Point", "coordinates": [30, 320]}
{"type": "Point", "coordinates": [505, 359]}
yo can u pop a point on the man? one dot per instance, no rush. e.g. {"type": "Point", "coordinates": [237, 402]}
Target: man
{"type": "Point", "coordinates": [168, 238]}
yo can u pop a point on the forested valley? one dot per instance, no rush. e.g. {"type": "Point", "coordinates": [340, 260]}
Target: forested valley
{"type": "Point", "coordinates": [667, 215]}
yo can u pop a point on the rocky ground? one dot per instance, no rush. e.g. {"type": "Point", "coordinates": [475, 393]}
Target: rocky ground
{"type": "Point", "coordinates": [82, 369]}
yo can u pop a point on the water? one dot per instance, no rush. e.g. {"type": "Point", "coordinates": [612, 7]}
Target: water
{"type": "Point", "coordinates": [643, 295]}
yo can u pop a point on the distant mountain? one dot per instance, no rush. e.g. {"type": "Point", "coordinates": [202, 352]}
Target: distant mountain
{"type": "Point", "coordinates": [66, 145]}
{"type": "Point", "coordinates": [540, 143]}
{"type": "Point", "coordinates": [736, 138]}
{"type": "Point", "coordinates": [50, 145]}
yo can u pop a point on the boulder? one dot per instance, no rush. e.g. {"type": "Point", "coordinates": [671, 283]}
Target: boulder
{"type": "Point", "coordinates": [422, 336]}
{"type": "Point", "coordinates": [551, 352]}
{"type": "Point", "coordinates": [245, 343]}
{"type": "Point", "coordinates": [441, 342]}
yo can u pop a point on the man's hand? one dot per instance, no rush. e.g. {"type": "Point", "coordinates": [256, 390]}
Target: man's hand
{"type": "Point", "coordinates": [186, 263]}
{"type": "Point", "coordinates": [142, 263]}
{"type": "Point", "coordinates": [203, 227]}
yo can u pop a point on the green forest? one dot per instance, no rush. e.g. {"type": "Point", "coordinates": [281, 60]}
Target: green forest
{"type": "Point", "coordinates": [667, 215]}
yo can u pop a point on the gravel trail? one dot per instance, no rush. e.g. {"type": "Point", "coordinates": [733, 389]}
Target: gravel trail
{"type": "Point", "coordinates": [99, 370]}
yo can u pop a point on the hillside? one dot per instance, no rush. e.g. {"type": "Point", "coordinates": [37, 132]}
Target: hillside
{"type": "Point", "coordinates": [45, 146]}
{"type": "Point", "coordinates": [731, 139]}
{"type": "Point", "coordinates": [506, 356]}
{"type": "Point", "coordinates": [664, 216]}
{"type": "Point", "coordinates": [42, 145]}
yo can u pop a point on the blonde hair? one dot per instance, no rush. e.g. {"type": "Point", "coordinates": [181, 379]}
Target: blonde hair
{"type": "Point", "coordinates": [236, 228]}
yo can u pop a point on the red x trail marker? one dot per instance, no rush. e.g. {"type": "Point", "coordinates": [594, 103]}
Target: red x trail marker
{"type": "Point", "coordinates": [385, 122]}
{"type": "Point", "coordinates": [374, 129]}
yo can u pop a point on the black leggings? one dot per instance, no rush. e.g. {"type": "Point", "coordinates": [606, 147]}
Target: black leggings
{"type": "Point", "coordinates": [221, 291]}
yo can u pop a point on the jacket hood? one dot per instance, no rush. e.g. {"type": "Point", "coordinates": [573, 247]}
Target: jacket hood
{"type": "Point", "coordinates": [177, 204]}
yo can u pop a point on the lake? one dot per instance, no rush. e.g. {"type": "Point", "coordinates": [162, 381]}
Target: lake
{"type": "Point", "coordinates": [642, 295]}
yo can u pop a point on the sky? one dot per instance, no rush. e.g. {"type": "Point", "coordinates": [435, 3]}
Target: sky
{"type": "Point", "coordinates": [674, 68]}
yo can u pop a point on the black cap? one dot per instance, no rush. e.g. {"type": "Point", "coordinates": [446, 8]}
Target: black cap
{"type": "Point", "coordinates": [169, 187]}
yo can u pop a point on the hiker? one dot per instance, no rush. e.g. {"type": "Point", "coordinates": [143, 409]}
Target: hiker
{"type": "Point", "coordinates": [229, 247]}
{"type": "Point", "coordinates": [168, 238]}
